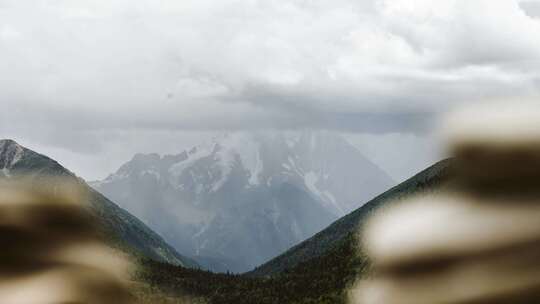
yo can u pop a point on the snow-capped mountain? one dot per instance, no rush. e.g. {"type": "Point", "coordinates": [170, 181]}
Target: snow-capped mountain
{"type": "Point", "coordinates": [243, 198]}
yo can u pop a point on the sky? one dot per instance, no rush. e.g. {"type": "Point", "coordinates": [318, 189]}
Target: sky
{"type": "Point", "coordinates": [92, 82]}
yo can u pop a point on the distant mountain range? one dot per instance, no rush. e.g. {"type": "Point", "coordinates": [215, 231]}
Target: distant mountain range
{"type": "Point", "coordinates": [121, 228]}
{"type": "Point", "coordinates": [241, 199]}
{"type": "Point", "coordinates": [316, 271]}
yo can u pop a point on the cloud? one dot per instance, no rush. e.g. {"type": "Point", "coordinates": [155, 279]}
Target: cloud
{"type": "Point", "coordinates": [204, 56]}
{"type": "Point", "coordinates": [531, 7]}
{"type": "Point", "coordinates": [76, 70]}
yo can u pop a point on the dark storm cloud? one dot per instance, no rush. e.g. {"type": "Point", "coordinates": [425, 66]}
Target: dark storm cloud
{"type": "Point", "coordinates": [322, 110]}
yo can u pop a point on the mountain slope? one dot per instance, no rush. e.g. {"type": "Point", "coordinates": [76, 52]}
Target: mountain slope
{"type": "Point", "coordinates": [245, 197]}
{"type": "Point", "coordinates": [318, 271]}
{"type": "Point", "coordinates": [122, 228]}
{"type": "Point", "coordinates": [344, 228]}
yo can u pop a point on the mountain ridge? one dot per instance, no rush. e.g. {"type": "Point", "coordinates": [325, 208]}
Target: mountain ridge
{"type": "Point", "coordinates": [311, 248]}
{"type": "Point", "coordinates": [122, 229]}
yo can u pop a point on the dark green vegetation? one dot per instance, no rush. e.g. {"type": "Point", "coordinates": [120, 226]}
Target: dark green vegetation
{"type": "Point", "coordinates": [121, 228]}
{"type": "Point", "coordinates": [319, 270]}
{"type": "Point", "coordinates": [320, 280]}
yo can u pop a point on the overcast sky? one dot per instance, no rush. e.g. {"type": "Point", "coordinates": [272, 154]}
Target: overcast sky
{"type": "Point", "coordinates": [91, 82]}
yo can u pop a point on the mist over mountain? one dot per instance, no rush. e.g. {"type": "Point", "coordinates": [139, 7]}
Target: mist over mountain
{"type": "Point", "coordinates": [243, 198]}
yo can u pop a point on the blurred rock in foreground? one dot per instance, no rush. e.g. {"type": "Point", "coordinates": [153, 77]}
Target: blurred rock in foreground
{"type": "Point", "coordinates": [477, 242]}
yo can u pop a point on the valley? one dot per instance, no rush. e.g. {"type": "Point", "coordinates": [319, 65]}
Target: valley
{"type": "Point", "coordinates": [319, 270]}
{"type": "Point", "coordinates": [243, 198]}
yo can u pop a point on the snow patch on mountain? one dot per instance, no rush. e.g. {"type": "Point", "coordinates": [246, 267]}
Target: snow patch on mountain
{"type": "Point", "coordinates": [248, 151]}
{"type": "Point", "coordinates": [151, 172]}
{"type": "Point", "coordinates": [195, 154]}
{"type": "Point", "coordinates": [241, 146]}
{"type": "Point", "coordinates": [311, 179]}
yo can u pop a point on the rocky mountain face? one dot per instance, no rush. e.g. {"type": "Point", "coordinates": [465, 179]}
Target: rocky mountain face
{"type": "Point", "coordinates": [122, 229]}
{"type": "Point", "coordinates": [342, 235]}
{"type": "Point", "coordinates": [241, 199]}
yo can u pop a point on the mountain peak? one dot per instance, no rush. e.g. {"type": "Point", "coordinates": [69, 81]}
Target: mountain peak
{"type": "Point", "coordinates": [125, 231]}
{"type": "Point", "coordinates": [149, 157]}
{"type": "Point", "coordinates": [8, 143]}
{"type": "Point", "coordinates": [10, 153]}
{"type": "Point", "coordinates": [244, 197]}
